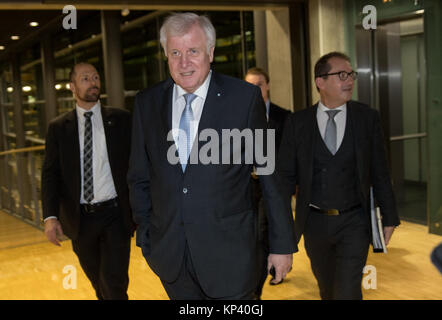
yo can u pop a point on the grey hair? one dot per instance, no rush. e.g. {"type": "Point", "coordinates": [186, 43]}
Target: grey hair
{"type": "Point", "coordinates": [178, 24]}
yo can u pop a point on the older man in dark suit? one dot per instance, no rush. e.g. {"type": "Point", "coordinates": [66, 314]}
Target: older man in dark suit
{"type": "Point", "coordinates": [197, 228]}
{"type": "Point", "coordinates": [333, 152]}
{"type": "Point", "coordinates": [84, 190]}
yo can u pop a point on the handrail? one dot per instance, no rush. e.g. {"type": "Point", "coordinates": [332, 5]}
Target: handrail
{"type": "Point", "coordinates": [21, 150]}
{"type": "Point", "coordinates": [408, 136]}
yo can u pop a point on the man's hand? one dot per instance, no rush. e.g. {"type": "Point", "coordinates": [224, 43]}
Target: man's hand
{"type": "Point", "coordinates": [53, 231]}
{"type": "Point", "coordinates": [282, 264]}
{"type": "Point", "coordinates": [388, 232]}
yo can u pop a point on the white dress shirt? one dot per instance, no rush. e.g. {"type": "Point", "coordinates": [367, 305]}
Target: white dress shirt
{"type": "Point", "coordinates": [340, 119]}
{"type": "Point", "coordinates": [104, 188]}
{"type": "Point", "coordinates": [179, 103]}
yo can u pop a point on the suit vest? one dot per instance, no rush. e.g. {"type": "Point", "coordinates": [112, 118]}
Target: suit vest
{"type": "Point", "coordinates": [334, 181]}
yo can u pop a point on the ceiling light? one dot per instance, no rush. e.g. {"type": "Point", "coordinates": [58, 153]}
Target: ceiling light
{"type": "Point", "coordinates": [2, 47]}
{"type": "Point", "coordinates": [34, 24]}
{"type": "Point", "coordinates": [57, 86]}
{"type": "Point", "coordinates": [27, 88]}
{"type": "Point", "coordinates": [125, 12]}
{"type": "Point", "coordinates": [10, 89]}
{"type": "Point", "coordinates": [15, 37]}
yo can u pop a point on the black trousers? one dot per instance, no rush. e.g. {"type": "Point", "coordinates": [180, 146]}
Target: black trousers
{"type": "Point", "coordinates": [187, 287]}
{"type": "Point", "coordinates": [338, 247]}
{"type": "Point", "coordinates": [103, 248]}
{"type": "Point", "coordinates": [259, 207]}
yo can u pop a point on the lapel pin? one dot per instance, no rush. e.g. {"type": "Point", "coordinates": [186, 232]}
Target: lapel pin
{"type": "Point", "coordinates": [218, 94]}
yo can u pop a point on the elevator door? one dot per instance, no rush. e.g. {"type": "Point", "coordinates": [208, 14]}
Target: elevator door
{"type": "Point", "coordinates": [391, 64]}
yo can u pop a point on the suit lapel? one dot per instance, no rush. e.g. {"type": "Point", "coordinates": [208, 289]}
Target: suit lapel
{"type": "Point", "coordinates": [356, 122]}
{"type": "Point", "coordinates": [72, 149]}
{"type": "Point", "coordinates": [110, 131]}
{"type": "Point", "coordinates": [165, 107]}
{"type": "Point", "coordinates": [209, 116]}
{"type": "Point", "coordinates": [165, 110]}
{"type": "Point", "coordinates": [308, 136]}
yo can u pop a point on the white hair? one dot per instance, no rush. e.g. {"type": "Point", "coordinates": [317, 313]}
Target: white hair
{"type": "Point", "coordinates": [178, 24]}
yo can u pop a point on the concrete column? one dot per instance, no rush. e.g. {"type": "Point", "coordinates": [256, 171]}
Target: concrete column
{"type": "Point", "coordinates": [279, 57]}
{"type": "Point", "coordinates": [259, 22]}
{"type": "Point", "coordinates": [48, 68]}
{"type": "Point", "coordinates": [326, 32]}
{"type": "Point", "coordinates": [113, 58]}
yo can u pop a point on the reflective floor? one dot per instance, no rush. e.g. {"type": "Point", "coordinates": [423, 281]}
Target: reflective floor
{"type": "Point", "coordinates": [32, 268]}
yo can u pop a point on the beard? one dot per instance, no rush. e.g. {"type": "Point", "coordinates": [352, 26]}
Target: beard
{"type": "Point", "coordinates": [90, 96]}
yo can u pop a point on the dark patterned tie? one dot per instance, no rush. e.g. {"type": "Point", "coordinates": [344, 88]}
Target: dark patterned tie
{"type": "Point", "coordinates": [88, 179]}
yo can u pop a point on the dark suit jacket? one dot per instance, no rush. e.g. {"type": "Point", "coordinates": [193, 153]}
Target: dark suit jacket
{"type": "Point", "coordinates": [277, 117]}
{"type": "Point", "coordinates": [209, 206]}
{"type": "Point", "coordinates": [61, 185]}
{"type": "Point", "coordinates": [295, 161]}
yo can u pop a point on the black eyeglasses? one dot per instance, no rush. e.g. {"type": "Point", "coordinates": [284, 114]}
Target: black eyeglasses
{"type": "Point", "coordinates": [343, 75]}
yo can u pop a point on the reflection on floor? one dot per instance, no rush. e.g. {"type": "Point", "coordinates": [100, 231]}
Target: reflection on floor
{"type": "Point", "coordinates": [412, 202]}
{"type": "Point", "coordinates": [32, 268]}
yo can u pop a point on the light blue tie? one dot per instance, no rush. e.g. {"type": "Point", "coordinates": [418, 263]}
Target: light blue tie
{"type": "Point", "coordinates": [184, 143]}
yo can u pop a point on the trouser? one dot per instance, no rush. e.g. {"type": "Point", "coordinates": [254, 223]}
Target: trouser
{"type": "Point", "coordinates": [103, 249]}
{"type": "Point", "coordinates": [338, 247]}
{"type": "Point", "coordinates": [187, 287]}
{"type": "Point", "coordinates": [259, 206]}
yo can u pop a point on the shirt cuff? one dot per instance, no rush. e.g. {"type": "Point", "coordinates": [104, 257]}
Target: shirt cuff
{"type": "Point", "coordinates": [51, 217]}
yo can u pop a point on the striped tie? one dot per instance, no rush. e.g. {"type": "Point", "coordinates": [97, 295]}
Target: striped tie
{"type": "Point", "coordinates": [184, 143]}
{"type": "Point", "coordinates": [88, 179]}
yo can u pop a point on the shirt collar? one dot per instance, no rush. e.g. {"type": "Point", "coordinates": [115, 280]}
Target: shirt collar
{"type": "Point", "coordinates": [95, 110]}
{"type": "Point", "coordinates": [323, 108]}
{"type": "Point", "coordinates": [200, 92]}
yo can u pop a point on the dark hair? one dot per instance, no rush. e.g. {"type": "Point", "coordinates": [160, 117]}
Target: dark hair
{"type": "Point", "coordinates": [322, 66]}
{"type": "Point", "coordinates": [259, 72]}
{"type": "Point", "coordinates": [72, 72]}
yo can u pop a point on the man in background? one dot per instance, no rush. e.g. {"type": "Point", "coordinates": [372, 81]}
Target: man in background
{"type": "Point", "coordinates": [84, 189]}
{"type": "Point", "coordinates": [276, 117]}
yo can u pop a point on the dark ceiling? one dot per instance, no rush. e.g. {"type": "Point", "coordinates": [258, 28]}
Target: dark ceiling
{"type": "Point", "coordinates": [16, 22]}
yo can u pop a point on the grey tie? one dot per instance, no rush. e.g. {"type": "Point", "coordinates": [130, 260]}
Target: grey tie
{"type": "Point", "coordinates": [88, 178]}
{"type": "Point", "coordinates": [330, 131]}
{"type": "Point", "coordinates": [184, 143]}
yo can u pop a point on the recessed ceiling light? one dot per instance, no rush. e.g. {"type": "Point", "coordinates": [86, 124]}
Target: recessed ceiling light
{"type": "Point", "coordinates": [2, 47]}
{"type": "Point", "coordinates": [34, 24]}
{"type": "Point", "coordinates": [15, 37]}
{"type": "Point", "coordinates": [27, 88]}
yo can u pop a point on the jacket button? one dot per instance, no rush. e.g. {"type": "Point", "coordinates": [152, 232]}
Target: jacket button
{"type": "Point", "coordinates": [184, 190]}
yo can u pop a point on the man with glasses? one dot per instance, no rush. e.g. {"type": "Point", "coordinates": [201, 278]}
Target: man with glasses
{"type": "Point", "coordinates": [332, 153]}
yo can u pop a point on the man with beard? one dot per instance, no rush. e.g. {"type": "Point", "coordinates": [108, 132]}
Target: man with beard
{"type": "Point", "coordinates": [84, 189]}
